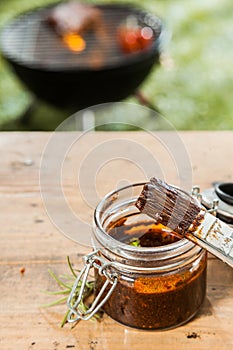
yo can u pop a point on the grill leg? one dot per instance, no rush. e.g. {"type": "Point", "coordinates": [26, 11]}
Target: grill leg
{"type": "Point", "coordinates": [143, 100]}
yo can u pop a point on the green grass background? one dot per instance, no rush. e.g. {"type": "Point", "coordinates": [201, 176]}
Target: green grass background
{"type": "Point", "coordinates": [192, 88]}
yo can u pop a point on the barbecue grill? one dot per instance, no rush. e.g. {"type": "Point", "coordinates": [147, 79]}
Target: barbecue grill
{"type": "Point", "coordinates": [101, 73]}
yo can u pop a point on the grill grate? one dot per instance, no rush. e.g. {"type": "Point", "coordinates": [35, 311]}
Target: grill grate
{"type": "Point", "coordinates": [30, 41]}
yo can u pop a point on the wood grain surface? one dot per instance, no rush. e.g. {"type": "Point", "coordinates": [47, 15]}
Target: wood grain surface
{"type": "Point", "coordinates": [31, 244]}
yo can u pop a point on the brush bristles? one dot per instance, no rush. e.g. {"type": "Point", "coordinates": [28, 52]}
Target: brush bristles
{"type": "Point", "coordinates": [168, 205]}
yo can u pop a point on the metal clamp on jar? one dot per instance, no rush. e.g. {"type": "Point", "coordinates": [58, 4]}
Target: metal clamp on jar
{"type": "Point", "coordinates": [158, 286]}
{"type": "Point", "coordinates": [222, 194]}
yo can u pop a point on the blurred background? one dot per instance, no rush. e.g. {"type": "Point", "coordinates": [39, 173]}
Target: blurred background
{"type": "Point", "coordinates": [192, 86]}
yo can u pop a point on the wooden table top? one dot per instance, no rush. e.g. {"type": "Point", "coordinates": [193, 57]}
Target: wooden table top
{"type": "Point", "coordinates": [31, 244]}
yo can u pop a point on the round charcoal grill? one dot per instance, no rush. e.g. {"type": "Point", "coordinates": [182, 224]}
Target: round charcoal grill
{"type": "Point", "coordinates": [101, 73]}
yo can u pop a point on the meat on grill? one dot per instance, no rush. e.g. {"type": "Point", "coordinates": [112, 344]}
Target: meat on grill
{"type": "Point", "coordinates": [74, 17]}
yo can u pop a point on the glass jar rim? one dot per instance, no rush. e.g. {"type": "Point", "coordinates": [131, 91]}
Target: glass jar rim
{"type": "Point", "coordinates": [133, 252]}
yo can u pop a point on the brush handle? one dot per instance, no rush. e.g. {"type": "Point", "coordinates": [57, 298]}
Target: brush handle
{"type": "Point", "coordinates": [215, 236]}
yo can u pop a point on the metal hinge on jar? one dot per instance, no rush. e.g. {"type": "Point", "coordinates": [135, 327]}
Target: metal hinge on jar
{"type": "Point", "coordinates": [92, 260]}
{"type": "Point", "coordinates": [215, 202]}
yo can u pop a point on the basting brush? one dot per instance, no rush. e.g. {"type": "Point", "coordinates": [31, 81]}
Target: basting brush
{"type": "Point", "coordinates": [182, 213]}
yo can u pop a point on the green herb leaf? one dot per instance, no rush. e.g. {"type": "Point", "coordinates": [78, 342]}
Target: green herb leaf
{"type": "Point", "coordinates": [66, 287]}
{"type": "Point", "coordinates": [135, 242]}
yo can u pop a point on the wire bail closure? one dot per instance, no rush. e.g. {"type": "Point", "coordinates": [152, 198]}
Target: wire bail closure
{"type": "Point", "coordinates": [198, 195]}
{"type": "Point", "coordinates": [92, 260]}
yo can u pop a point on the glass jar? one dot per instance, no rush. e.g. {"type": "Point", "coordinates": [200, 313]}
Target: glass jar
{"type": "Point", "coordinates": [143, 287]}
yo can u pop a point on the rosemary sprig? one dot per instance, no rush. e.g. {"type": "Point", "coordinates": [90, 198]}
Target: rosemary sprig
{"type": "Point", "coordinates": [65, 289]}
{"type": "Point", "coordinates": [71, 267]}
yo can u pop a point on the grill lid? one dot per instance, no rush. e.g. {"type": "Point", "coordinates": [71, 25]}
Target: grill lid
{"type": "Point", "coordinates": [29, 40]}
